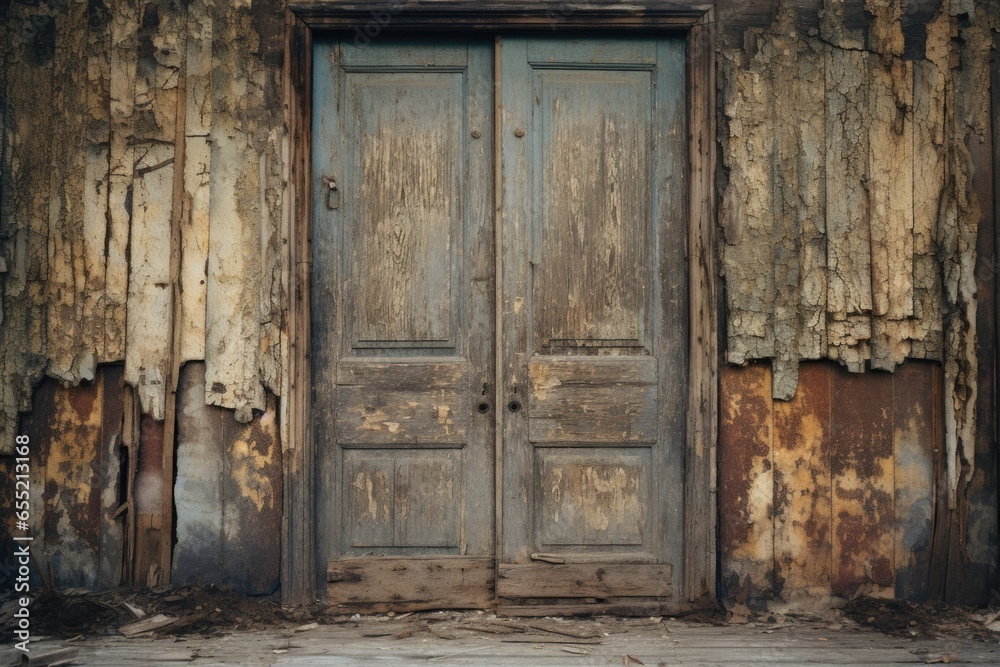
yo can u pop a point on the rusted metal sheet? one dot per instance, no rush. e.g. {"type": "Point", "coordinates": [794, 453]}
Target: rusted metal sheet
{"type": "Point", "coordinates": [852, 484]}
{"type": "Point", "coordinates": [74, 464]}
{"type": "Point", "coordinates": [916, 436]}
{"type": "Point", "coordinates": [746, 482]}
{"type": "Point", "coordinates": [227, 494]}
{"type": "Point", "coordinates": [802, 489]}
{"type": "Point", "coordinates": [252, 521]}
{"type": "Point", "coordinates": [861, 465]}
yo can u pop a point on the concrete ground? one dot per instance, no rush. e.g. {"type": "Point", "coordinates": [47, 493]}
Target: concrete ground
{"type": "Point", "coordinates": [472, 638]}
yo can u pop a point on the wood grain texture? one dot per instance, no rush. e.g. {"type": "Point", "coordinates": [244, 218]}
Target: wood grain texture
{"type": "Point", "coordinates": [402, 311]}
{"type": "Point", "coordinates": [702, 409]}
{"type": "Point", "coordinates": [500, 15]}
{"type": "Point", "coordinates": [600, 580]}
{"type": "Point", "coordinates": [410, 584]}
{"type": "Point", "coordinates": [592, 366]}
{"type": "Point", "coordinates": [298, 530]}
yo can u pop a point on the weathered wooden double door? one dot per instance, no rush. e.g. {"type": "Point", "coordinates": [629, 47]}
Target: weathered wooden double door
{"type": "Point", "coordinates": [499, 320]}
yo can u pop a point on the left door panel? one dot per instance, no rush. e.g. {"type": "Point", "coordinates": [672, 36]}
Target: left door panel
{"type": "Point", "coordinates": [403, 322]}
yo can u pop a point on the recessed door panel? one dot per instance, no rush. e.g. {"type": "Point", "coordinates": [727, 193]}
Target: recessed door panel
{"type": "Point", "coordinates": [591, 241]}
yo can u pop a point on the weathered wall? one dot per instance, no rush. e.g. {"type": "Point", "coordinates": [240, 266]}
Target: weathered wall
{"type": "Point", "coordinates": [849, 208]}
{"type": "Point", "coordinates": [142, 198]}
{"type": "Point", "coordinates": [120, 241]}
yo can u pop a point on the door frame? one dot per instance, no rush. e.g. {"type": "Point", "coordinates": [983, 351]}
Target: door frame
{"type": "Point", "coordinates": [301, 578]}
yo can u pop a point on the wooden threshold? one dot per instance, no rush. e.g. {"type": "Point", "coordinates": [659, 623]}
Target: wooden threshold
{"type": "Point", "coordinates": [583, 580]}
{"type": "Point", "coordinates": [625, 607]}
{"type": "Point", "coordinates": [378, 585]}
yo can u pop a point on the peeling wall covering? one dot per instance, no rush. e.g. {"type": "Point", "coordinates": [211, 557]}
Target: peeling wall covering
{"type": "Point", "coordinates": [97, 96]}
{"type": "Point", "coordinates": [849, 220]}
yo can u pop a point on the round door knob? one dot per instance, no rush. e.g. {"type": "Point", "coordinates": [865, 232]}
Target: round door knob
{"type": "Point", "coordinates": [514, 406]}
{"type": "Point", "coordinates": [483, 408]}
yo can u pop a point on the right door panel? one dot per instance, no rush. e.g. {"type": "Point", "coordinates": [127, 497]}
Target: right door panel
{"type": "Point", "coordinates": [593, 317]}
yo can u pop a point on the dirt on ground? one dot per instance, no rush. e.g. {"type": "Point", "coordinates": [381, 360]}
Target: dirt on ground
{"type": "Point", "coordinates": [901, 618]}
{"type": "Point", "coordinates": [213, 611]}
{"type": "Point", "coordinates": [205, 610]}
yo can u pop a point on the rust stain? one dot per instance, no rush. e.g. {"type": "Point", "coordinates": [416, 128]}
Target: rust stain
{"type": "Point", "coordinates": [253, 455]}
{"type": "Point", "coordinates": [745, 458]}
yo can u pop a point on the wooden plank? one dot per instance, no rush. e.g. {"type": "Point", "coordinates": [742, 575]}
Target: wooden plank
{"type": "Point", "coordinates": [30, 119]}
{"type": "Point", "coordinates": [622, 607]}
{"type": "Point", "coordinates": [915, 416]}
{"type": "Point", "coordinates": [583, 580]}
{"type": "Point", "coordinates": [122, 163]}
{"type": "Point", "coordinates": [98, 175]}
{"type": "Point", "coordinates": [802, 493]}
{"type": "Point", "coordinates": [112, 477]}
{"type": "Point", "coordinates": [811, 186]}
{"type": "Point", "coordinates": [849, 291]}
{"type": "Point", "coordinates": [298, 533]}
{"type": "Point", "coordinates": [237, 224]}
{"type": "Point", "coordinates": [890, 187]}
{"type": "Point", "coordinates": [68, 326]}
{"type": "Point", "coordinates": [746, 214]}
{"type": "Point", "coordinates": [982, 524]}
{"type": "Point", "coordinates": [512, 373]}
{"type": "Point", "coordinates": [929, 164]}
{"type": "Point", "coordinates": [861, 463]}
{"type": "Point", "coordinates": [406, 373]}
{"type": "Point", "coordinates": [786, 167]}
{"type": "Point", "coordinates": [746, 482]}
{"type": "Point", "coordinates": [197, 182]}
{"type": "Point", "coordinates": [411, 583]}
{"type": "Point", "coordinates": [367, 415]}
{"type": "Point", "coordinates": [148, 503]}
{"type": "Point", "coordinates": [574, 401]}
{"type": "Point", "coordinates": [702, 409]}
{"type": "Point", "coordinates": [594, 498]}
